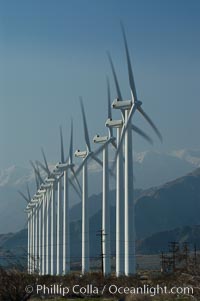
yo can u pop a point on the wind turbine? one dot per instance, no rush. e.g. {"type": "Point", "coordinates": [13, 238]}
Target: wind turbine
{"type": "Point", "coordinates": [119, 124]}
{"type": "Point", "coordinates": [40, 216]}
{"type": "Point", "coordinates": [130, 107]}
{"type": "Point", "coordinates": [28, 211]}
{"type": "Point", "coordinates": [64, 166]}
{"type": "Point", "coordinates": [34, 227]}
{"type": "Point", "coordinates": [106, 140]}
{"type": "Point", "coordinates": [86, 156]}
{"type": "Point", "coordinates": [51, 179]}
{"type": "Point", "coordinates": [46, 222]}
{"type": "Point", "coordinates": [31, 210]}
{"type": "Point", "coordinates": [110, 123]}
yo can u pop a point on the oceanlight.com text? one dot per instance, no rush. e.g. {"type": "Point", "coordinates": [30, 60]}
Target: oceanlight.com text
{"type": "Point", "coordinates": [112, 289]}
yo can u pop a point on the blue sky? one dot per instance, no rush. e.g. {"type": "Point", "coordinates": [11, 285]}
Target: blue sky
{"type": "Point", "coordinates": [53, 51]}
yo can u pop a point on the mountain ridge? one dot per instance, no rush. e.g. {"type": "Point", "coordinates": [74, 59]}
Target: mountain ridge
{"type": "Point", "coordinates": [151, 169]}
{"type": "Point", "coordinates": [174, 205]}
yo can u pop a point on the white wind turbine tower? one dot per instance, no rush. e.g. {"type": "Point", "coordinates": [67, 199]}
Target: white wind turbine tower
{"type": "Point", "coordinates": [106, 140]}
{"type": "Point", "coordinates": [47, 223]}
{"type": "Point", "coordinates": [119, 172]}
{"type": "Point", "coordinates": [64, 166]}
{"type": "Point", "coordinates": [39, 222]}
{"type": "Point", "coordinates": [86, 155]}
{"type": "Point", "coordinates": [52, 179]}
{"type": "Point", "coordinates": [43, 227]}
{"type": "Point", "coordinates": [28, 210]}
{"type": "Point", "coordinates": [43, 192]}
{"type": "Point", "coordinates": [45, 240]}
{"type": "Point", "coordinates": [31, 209]}
{"type": "Point", "coordinates": [119, 200]}
{"type": "Point", "coordinates": [59, 225]}
{"type": "Point", "coordinates": [130, 107]}
{"type": "Point", "coordinates": [42, 213]}
{"type": "Point", "coordinates": [34, 226]}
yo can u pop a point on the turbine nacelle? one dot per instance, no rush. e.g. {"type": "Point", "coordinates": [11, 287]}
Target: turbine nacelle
{"type": "Point", "coordinates": [27, 210]}
{"type": "Point", "coordinates": [122, 104]}
{"type": "Point", "coordinates": [55, 172]}
{"type": "Point", "coordinates": [40, 191]}
{"type": "Point", "coordinates": [50, 180]}
{"type": "Point", "coordinates": [100, 139]}
{"type": "Point", "coordinates": [63, 166]}
{"type": "Point", "coordinates": [113, 123]}
{"type": "Point", "coordinates": [36, 197]}
{"type": "Point", "coordinates": [45, 186]}
{"type": "Point", "coordinates": [80, 154]}
{"type": "Point", "coordinates": [34, 201]}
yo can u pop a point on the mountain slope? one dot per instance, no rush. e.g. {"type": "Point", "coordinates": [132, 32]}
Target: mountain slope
{"type": "Point", "coordinates": [159, 242]}
{"type": "Point", "coordinates": [150, 169]}
{"type": "Point", "coordinates": [173, 205]}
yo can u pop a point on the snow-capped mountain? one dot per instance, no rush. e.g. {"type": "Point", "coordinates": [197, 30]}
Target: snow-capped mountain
{"type": "Point", "coordinates": [191, 156]}
{"type": "Point", "coordinates": [150, 169]}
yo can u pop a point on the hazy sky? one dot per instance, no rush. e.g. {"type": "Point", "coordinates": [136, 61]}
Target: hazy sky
{"type": "Point", "coordinates": [53, 51]}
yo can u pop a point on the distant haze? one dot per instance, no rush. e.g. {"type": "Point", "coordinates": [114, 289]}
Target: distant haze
{"type": "Point", "coordinates": [150, 169]}
{"type": "Point", "coordinates": [53, 51]}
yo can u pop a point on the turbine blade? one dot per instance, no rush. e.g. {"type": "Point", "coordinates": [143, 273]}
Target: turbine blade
{"type": "Point", "coordinates": [77, 171]}
{"type": "Point", "coordinates": [109, 101]}
{"type": "Point", "coordinates": [36, 175]}
{"type": "Point", "coordinates": [28, 191]}
{"type": "Point", "coordinates": [100, 149]}
{"type": "Point", "coordinates": [87, 140]}
{"type": "Point", "coordinates": [43, 167]}
{"type": "Point", "coordinates": [130, 71]}
{"type": "Point", "coordinates": [37, 163]}
{"type": "Point", "coordinates": [151, 123]}
{"type": "Point", "coordinates": [109, 105]}
{"type": "Point", "coordinates": [67, 159]}
{"type": "Point", "coordinates": [97, 159]}
{"type": "Point", "coordinates": [45, 161]}
{"type": "Point", "coordinates": [76, 178]}
{"type": "Point", "coordinates": [119, 95]}
{"type": "Point", "coordinates": [71, 144]}
{"type": "Point", "coordinates": [141, 133]}
{"type": "Point", "coordinates": [61, 146]}
{"type": "Point", "coordinates": [24, 197]}
{"type": "Point", "coordinates": [39, 175]}
{"type": "Point", "coordinates": [111, 172]}
{"type": "Point", "coordinates": [113, 142]}
{"type": "Point", "coordinates": [132, 111]}
{"type": "Point", "coordinates": [75, 189]}
{"type": "Point", "coordinates": [133, 88]}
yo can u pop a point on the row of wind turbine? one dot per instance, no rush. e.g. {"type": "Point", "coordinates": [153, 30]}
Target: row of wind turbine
{"type": "Point", "coordinates": [48, 213]}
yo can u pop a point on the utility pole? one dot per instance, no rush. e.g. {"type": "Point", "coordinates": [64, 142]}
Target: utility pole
{"type": "Point", "coordinates": [195, 255]}
{"type": "Point", "coordinates": [173, 248]}
{"type": "Point", "coordinates": [186, 250]}
{"type": "Point", "coordinates": [101, 234]}
{"type": "Point", "coordinates": [162, 262]}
